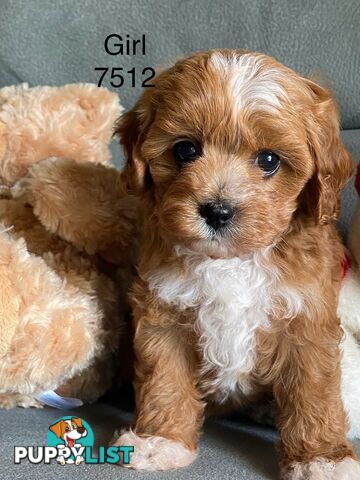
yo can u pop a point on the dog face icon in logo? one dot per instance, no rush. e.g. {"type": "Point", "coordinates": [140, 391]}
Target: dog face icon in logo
{"type": "Point", "coordinates": [70, 439]}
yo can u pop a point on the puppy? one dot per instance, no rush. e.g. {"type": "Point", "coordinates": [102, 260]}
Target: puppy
{"type": "Point", "coordinates": [69, 431]}
{"type": "Point", "coordinates": [239, 165]}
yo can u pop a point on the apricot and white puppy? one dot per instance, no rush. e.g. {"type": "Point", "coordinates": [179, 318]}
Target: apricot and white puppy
{"type": "Point", "coordinates": [239, 165]}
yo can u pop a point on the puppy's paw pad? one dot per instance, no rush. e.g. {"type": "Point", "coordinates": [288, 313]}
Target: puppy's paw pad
{"type": "Point", "coordinates": [155, 453]}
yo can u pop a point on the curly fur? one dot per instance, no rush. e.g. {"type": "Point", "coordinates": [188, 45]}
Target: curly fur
{"type": "Point", "coordinates": [221, 291]}
{"type": "Point", "coordinates": [71, 121]}
{"type": "Point", "coordinates": [67, 243]}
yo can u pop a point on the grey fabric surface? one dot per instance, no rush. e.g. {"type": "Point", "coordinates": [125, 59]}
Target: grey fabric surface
{"type": "Point", "coordinates": [349, 198]}
{"type": "Point", "coordinates": [47, 42]}
{"type": "Point", "coordinates": [228, 449]}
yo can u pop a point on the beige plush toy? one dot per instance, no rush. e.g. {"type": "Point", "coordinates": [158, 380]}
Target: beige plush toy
{"type": "Point", "coordinates": [66, 236]}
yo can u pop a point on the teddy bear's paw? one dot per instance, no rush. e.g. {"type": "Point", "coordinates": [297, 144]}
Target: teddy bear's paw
{"type": "Point", "coordinates": [323, 469]}
{"type": "Point", "coordinates": [155, 453]}
{"type": "Point", "coordinates": [26, 401]}
{"type": "Point", "coordinates": [7, 401]}
{"type": "Point", "coordinates": [12, 400]}
{"type": "Point", "coordinates": [30, 188]}
{"type": "Point", "coordinates": [22, 190]}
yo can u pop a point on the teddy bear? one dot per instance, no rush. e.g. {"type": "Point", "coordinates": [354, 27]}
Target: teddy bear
{"type": "Point", "coordinates": [67, 240]}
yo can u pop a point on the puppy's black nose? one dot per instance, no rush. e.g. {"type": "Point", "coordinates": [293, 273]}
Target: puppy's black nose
{"type": "Point", "coordinates": [216, 214]}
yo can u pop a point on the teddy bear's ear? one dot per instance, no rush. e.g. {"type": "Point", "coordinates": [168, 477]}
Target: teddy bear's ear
{"type": "Point", "coordinates": [73, 121]}
{"type": "Point", "coordinates": [101, 106]}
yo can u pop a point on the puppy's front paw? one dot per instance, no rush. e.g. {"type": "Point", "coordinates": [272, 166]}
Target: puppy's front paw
{"type": "Point", "coordinates": [155, 453]}
{"type": "Point", "coordinates": [323, 469]}
{"type": "Point", "coordinates": [347, 469]}
{"type": "Point", "coordinates": [318, 469]}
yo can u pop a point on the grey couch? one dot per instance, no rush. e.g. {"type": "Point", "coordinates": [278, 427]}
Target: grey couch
{"type": "Point", "coordinates": [48, 42]}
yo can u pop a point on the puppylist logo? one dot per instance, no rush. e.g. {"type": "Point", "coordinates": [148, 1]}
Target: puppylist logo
{"type": "Point", "coordinates": [70, 440]}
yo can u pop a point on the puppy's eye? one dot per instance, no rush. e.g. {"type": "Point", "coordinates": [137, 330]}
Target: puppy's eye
{"type": "Point", "coordinates": [67, 428]}
{"type": "Point", "coordinates": [186, 151]}
{"type": "Point", "coordinates": [268, 161]}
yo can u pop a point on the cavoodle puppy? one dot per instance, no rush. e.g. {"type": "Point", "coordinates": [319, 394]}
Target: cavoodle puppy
{"type": "Point", "coordinates": [238, 164]}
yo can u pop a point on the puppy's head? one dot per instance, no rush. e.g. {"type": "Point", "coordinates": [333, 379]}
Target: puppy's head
{"type": "Point", "coordinates": [229, 147]}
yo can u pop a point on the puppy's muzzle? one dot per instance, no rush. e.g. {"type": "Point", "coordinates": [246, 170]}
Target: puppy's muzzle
{"type": "Point", "coordinates": [216, 214]}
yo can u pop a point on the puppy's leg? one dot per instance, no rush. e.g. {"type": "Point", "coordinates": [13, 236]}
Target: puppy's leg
{"type": "Point", "coordinates": [169, 408]}
{"type": "Point", "coordinates": [84, 203]}
{"type": "Point", "coordinates": [312, 422]}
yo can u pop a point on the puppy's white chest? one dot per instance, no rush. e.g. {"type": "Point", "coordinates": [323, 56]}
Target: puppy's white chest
{"type": "Point", "coordinates": [232, 298]}
{"type": "Point", "coordinates": [233, 307]}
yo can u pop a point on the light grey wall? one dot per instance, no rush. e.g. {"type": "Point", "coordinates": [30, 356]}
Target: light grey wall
{"type": "Point", "coordinates": [61, 41]}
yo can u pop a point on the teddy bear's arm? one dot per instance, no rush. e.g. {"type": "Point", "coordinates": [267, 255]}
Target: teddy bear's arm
{"type": "Point", "coordinates": [84, 203]}
{"type": "Point", "coordinates": [50, 330]}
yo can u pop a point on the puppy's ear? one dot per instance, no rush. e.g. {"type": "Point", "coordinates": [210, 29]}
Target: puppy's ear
{"type": "Point", "coordinates": [58, 428]}
{"type": "Point", "coordinates": [332, 163]}
{"type": "Point", "coordinates": [131, 129]}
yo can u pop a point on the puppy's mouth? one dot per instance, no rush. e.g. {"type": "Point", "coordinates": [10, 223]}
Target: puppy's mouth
{"type": "Point", "coordinates": [210, 228]}
{"type": "Point", "coordinates": [214, 242]}
{"type": "Point", "coordinates": [214, 246]}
